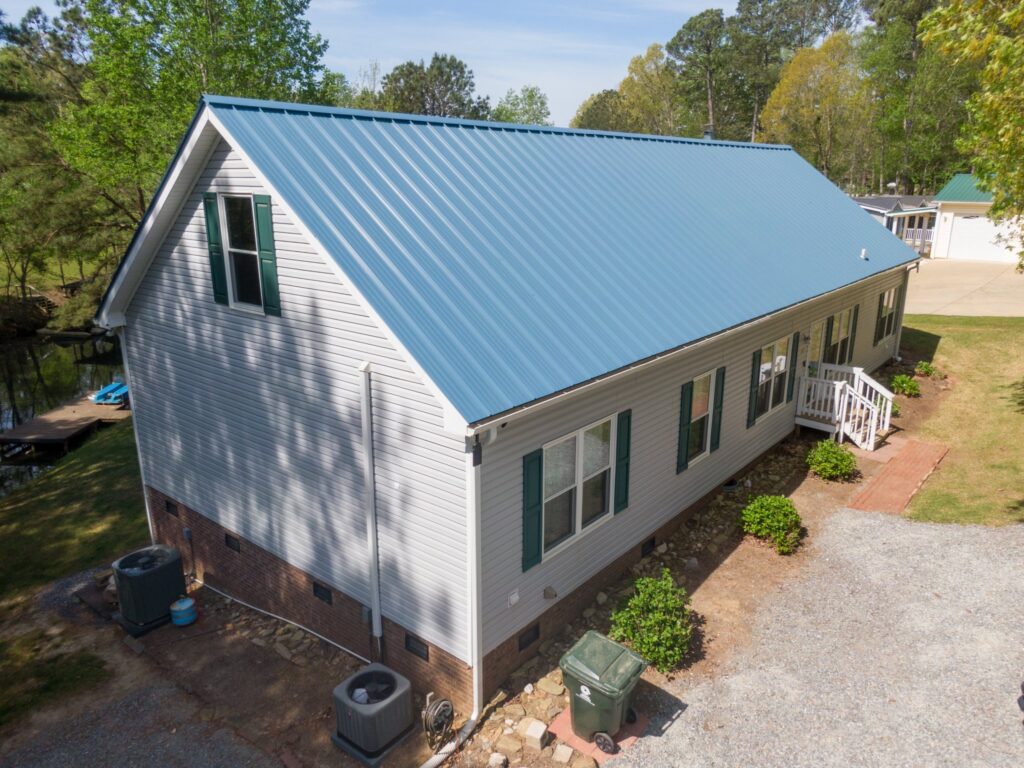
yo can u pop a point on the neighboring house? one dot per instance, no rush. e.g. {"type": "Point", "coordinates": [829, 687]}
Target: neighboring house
{"type": "Point", "coordinates": [425, 385]}
{"type": "Point", "coordinates": [910, 217]}
{"type": "Point", "coordinates": [965, 231]}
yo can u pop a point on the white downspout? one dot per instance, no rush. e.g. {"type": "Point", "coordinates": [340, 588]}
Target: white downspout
{"type": "Point", "coordinates": [474, 546]}
{"type": "Point", "coordinates": [370, 500]}
{"type": "Point", "coordinates": [121, 334]}
{"type": "Point", "coordinates": [902, 311]}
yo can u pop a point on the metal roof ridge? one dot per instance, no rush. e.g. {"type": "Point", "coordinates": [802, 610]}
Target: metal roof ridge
{"type": "Point", "coordinates": [214, 100]}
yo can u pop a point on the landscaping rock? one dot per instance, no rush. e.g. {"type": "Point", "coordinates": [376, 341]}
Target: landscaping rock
{"type": "Point", "coordinates": [283, 651]}
{"type": "Point", "coordinates": [550, 687]}
{"type": "Point", "coordinates": [562, 754]}
{"type": "Point", "coordinates": [497, 760]}
{"type": "Point", "coordinates": [584, 762]}
{"type": "Point", "coordinates": [588, 613]}
{"type": "Point", "coordinates": [601, 598]}
{"type": "Point", "coordinates": [134, 643]}
{"type": "Point", "coordinates": [535, 735]}
{"type": "Point", "coordinates": [508, 744]}
{"type": "Point", "coordinates": [515, 710]}
{"type": "Point", "coordinates": [528, 688]}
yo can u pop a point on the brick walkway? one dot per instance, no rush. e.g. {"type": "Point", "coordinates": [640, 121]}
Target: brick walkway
{"type": "Point", "coordinates": [897, 482]}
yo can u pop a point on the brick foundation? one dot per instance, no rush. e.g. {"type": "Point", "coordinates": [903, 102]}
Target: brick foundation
{"type": "Point", "coordinates": [266, 581]}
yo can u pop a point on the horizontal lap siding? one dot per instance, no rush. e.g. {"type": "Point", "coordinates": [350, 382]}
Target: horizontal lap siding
{"type": "Point", "coordinates": [255, 422]}
{"type": "Point", "coordinates": [657, 493]}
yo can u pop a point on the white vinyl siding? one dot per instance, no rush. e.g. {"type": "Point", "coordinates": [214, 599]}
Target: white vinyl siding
{"type": "Point", "coordinates": [254, 422]}
{"type": "Point", "coordinates": [657, 493]}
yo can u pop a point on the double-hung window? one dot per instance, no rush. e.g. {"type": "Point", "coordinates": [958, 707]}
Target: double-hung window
{"type": "Point", "coordinates": [771, 381]}
{"type": "Point", "coordinates": [572, 484]}
{"type": "Point", "coordinates": [700, 417]}
{"type": "Point", "coordinates": [577, 481]}
{"type": "Point", "coordinates": [885, 322]}
{"type": "Point", "coordinates": [242, 250]}
{"type": "Point", "coordinates": [833, 339]}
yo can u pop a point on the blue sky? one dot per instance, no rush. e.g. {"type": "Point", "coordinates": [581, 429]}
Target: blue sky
{"type": "Point", "coordinates": [570, 48]}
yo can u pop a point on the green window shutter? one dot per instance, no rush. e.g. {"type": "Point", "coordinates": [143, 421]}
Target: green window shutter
{"type": "Point", "coordinates": [623, 437]}
{"type": "Point", "coordinates": [879, 323]}
{"type": "Point", "coordinates": [829, 327]}
{"type": "Point", "coordinates": [794, 356]}
{"type": "Point", "coordinates": [685, 412]}
{"type": "Point", "coordinates": [268, 256]}
{"type": "Point", "coordinates": [755, 369]}
{"type": "Point", "coordinates": [533, 507]}
{"type": "Point", "coordinates": [218, 272]}
{"type": "Point", "coordinates": [716, 413]}
{"type": "Point", "coordinates": [853, 332]}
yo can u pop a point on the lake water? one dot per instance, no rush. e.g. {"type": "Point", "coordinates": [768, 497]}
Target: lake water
{"type": "Point", "coordinates": [38, 375]}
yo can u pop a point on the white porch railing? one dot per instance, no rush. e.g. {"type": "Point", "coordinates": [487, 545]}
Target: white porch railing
{"type": "Point", "coordinates": [845, 401]}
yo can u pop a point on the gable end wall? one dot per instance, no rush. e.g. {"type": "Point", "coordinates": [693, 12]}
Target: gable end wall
{"type": "Point", "coordinates": [254, 422]}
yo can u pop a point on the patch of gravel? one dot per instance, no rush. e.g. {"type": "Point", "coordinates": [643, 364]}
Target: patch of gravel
{"type": "Point", "coordinates": [152, 726]}
{"type": "Point", "coordinates": [901, 645]}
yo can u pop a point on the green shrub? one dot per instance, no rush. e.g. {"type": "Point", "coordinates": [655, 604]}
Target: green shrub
{"type": "Point", "coordinates": [831, 461]}
{"type": "Point", "coordinates": [924, 368]}
{"type": "Point", "coordinates": [656, 622]}
{"type": "Point", "coordinates": [895, 409]}
{"type": "Point", "coordinates": [902, 384]}
{"type": "Point", "coordinates": [773, 518]}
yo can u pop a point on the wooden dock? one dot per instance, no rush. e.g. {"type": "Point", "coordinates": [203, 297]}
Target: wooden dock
{"type": "Point", "coordinates": [59, 427]}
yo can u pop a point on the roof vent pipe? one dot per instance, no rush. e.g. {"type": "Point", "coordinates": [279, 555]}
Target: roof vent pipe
{"type": "Point", "coordinates": [709, 132]}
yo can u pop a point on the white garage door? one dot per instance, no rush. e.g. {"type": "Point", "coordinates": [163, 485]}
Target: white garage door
{"type": "Point", "coordinates": [973, 238]}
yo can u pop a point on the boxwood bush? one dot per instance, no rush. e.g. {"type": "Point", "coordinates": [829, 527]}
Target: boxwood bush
{"type": "Point", "coordinates": [831, 461]}
{"type": "Point", "coordinates": [656, 622]}
{"type": "Point", "coordinates": [775, 519]}
{"type": "Point", "coordinates": [902, 384]}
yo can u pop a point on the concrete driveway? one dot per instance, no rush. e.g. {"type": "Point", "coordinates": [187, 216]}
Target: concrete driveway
{"type": "Point", "coordinates": [974, 288]}
{"type": "Point", "coordinates": [901, 645]}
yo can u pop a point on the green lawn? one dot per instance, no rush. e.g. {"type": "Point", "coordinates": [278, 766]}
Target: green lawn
{"type": "Point", "coordinates": [84, 512]}
{"type": "Point", "coordinates": [981, 480]}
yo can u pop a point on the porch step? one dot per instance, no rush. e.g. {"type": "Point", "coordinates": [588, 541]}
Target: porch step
{"type": "Point", "coordinates": [821, 424]}
{"type": "Point", "coordinates": [896, 483]}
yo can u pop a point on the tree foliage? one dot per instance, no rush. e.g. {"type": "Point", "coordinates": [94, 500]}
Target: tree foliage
{"type": "Point", "coordinates": [989, 34]}
{"type": "Point", "coordinates": [527, 106]}
{"type": "Point", "coordinates": [444, 88]}
{"type": "Point", "coordinates": [821, 107]}
{"type": "Point", "coordinates": [601, 111]}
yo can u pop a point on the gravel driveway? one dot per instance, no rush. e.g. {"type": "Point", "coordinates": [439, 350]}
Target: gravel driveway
{"type": "Point", "coordinates": [901, 645]}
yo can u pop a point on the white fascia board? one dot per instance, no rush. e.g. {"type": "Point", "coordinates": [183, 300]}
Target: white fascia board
{"type": "Point", "coordinates": [154, 226]}
{"type": "Point", "coordinates": [454, 422]}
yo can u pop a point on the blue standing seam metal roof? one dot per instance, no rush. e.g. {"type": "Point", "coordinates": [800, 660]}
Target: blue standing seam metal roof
{"type": "Point", "coordinates": [514, 262]}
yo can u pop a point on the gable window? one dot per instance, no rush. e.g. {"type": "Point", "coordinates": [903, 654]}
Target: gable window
{"type": "Point", "coordinates": [771, 381]}
{"type": "Point", "coordinates": [577, 482]}
{"type": "Point", "coordinates": [242, 250]}
{"type": "Point", "coordinates": [885, 322]}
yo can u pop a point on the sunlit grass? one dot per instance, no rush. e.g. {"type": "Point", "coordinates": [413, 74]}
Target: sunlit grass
{"type": "Point", "coordinates": [981, 480]}
{"type": "Point", "coordinates": [85, 511]}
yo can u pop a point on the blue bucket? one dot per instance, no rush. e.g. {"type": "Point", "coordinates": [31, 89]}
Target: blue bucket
{"type": "Point", "coordinates": [183, 612]}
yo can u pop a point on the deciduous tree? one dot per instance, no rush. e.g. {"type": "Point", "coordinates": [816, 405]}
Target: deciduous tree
{"type": "Point", "coordinates": [444, 88]}
{"type": "Point", "coordinates": [527, 106]}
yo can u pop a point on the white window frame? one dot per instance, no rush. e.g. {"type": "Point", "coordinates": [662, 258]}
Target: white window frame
{"type": "Point", "coordinates": [706, 450]}
{"type": "Point", "coordinates": [772, 405]}
{"type": "Point", "coordinates": [229, 267]}
{"type": "Point", "coordinates": [608, 514]}
{"type": "Point", "coordinates": [817, 356]}
{"type": "Point", "coordinates": [888, 312]}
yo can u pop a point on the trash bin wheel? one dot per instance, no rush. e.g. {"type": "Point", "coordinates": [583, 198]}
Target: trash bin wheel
{"type": "Point", "coordinates": [605, 744]}
{"type": "Point", "coordinates": [630, 715]}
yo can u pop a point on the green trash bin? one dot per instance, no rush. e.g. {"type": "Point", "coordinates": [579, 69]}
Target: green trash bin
{"type": "Point", "coordinates": [600, 675]}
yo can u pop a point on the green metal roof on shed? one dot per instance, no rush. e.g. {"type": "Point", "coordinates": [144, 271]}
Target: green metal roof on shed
{"type": "Point", "coordinates": [963, 188]}
{"type": "Point", "coordinates": [514, 262]}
